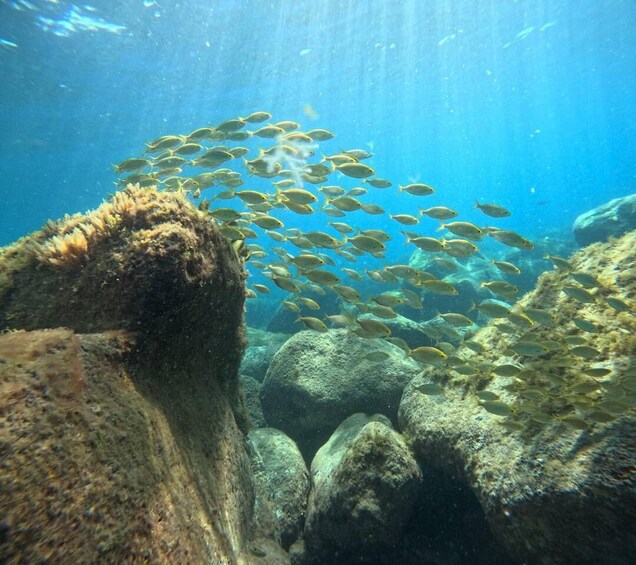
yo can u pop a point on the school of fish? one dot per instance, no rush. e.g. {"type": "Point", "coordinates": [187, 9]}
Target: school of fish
{"type": "Point", "coordinates": [254, 194]}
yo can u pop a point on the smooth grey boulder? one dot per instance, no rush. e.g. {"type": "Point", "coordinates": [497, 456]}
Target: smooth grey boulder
{"type": "Point", "coordinates": [364, 487]}
{"type": "Point", "coordinates": [316, 380]}
{"type": "Point", "coordinates": [611, 219]}
{"type": "Point", "coordinates": [281, 480]}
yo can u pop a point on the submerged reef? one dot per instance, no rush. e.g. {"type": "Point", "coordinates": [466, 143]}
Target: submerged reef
{"type": "Point", "coordinates": [118, 433]}
{"type": "Point", "coordinates": [525, 431]}
{"type": "Point", "coordinates": [548, 445]}
{"type": "Point", "coordinates": [503, 428]}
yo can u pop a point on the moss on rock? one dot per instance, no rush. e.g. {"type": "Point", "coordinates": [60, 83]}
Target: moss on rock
{"type": "Point", "coordinates": [119, 436]}
{"type": "Point", "coordinates": [145, 261]}
{"type": "Point", "coordinates": [555, 478]}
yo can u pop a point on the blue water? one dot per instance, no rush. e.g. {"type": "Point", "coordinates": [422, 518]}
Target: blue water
{"type": "Point", "coordinates": [528, 104]}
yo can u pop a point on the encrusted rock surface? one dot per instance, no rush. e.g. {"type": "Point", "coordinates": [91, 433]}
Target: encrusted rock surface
{"type": "Point", "coordinates": [557, 479]}
{"type": "Point", "coordinates": [97, 468]}
{"type": "Point", "coordinates": [364, 485]}
{"type": "Point", "coordinates": [316, 380]}
{"type": "Point", "coordinates": [118, 436]}
{"type": "Point", "coordinates": [281, 479]}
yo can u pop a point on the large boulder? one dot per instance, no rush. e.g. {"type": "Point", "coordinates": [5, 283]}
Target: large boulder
{"type": "Point", "coordinates": [551, 457]}
{"type": "Point", "coordinates": [364, 485]}
{"type": "Point", "coordinates": [316, 380]}
{"type": "Point", "coordinates": [612, 219]}
{"type": "Point", "coordinates": [145, 261]}
{"type": "Point", "coordinates": [281, 480]}
{"type": "Point", "coordinates": [118, 435]}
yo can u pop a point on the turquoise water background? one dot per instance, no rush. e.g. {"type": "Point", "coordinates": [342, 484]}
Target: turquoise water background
{"type": "Point", "coordinates": [530, 104]}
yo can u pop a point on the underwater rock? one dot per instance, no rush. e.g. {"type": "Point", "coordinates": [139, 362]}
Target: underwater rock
{"type": "Point", "coordinates": [251, 389]}
{"type": "Point", "coordinates": [554, 473]}
{"type": "Point", "coordinates": [364, 484]}
{"type": "Point", "coordinates": [96, 467]}
{"type": "Point", "coordinates": [262, 346]}
{"type": "Point", "coordinates": [612, 219]}
{"type": "Point", "coordinates": [281, 479]}
{"type": "Point", "coordinates": [316, 380]}
{"type": "Point", "coordinates": [144, 261]}
{"type": "Point", "coordinates": [122, 444]}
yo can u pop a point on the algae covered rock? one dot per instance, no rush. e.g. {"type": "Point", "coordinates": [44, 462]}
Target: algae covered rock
{"type": "Point", "coordinates": [94, 469]}
{"type": "Point", "coordinates": [364, 484]}
{"type": "Point", "coordinates": [281, 479]}
{"type": "Point", "coordinates": [316, 380]}
{"type": "Point", "coordinates": [612, 219]}
{"type": "Point", "coordinates": [145, 261]}
{"type": "Point", "coordinates": [122, 444]}
{"type": "Point", "coordinates": [549, 450]}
